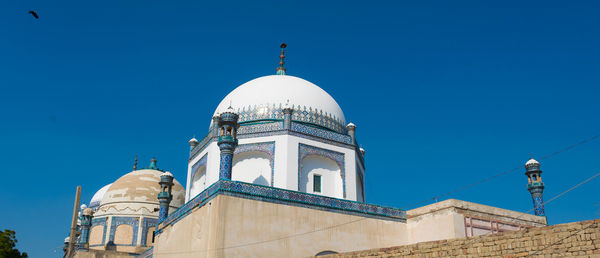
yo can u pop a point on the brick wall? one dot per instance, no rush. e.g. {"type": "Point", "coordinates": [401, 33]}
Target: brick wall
{"type": "Point", "coordinates": [572, 239]}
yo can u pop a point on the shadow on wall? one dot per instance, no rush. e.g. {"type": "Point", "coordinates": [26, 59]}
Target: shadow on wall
{"type": "Point", "coordinates": [331, 178]}
{"type": "Point", "coordinates": [261, 180]}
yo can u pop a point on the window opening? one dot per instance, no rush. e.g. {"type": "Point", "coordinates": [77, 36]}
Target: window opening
{"type": "Point", "coordinates": [316, 183]}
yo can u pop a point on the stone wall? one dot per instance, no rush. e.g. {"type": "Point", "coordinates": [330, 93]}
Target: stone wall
{"type": "Point", "coordinates": [565, 240]}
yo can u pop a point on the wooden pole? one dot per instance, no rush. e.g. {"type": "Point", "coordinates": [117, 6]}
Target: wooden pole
{"type": "Point", "coordinates": [73, 234]}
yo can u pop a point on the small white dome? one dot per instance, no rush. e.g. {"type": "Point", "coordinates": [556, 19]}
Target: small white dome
{"type": "Point", "coordinates": [193, 141]}
{"type": "Point", "coordinates": [263, 97]}
{"type": "Point", "coordinates": [531, 161]}
{"type": "Point", "coordinates": [167, 174]}
{"type": "Point", "coordinates": [95, 202]}
{"type": "Point", "coordinates": [82, 207]}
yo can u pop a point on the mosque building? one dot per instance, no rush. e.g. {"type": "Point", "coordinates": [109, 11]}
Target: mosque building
{"type": "Point", "coordinates": [279, 174]}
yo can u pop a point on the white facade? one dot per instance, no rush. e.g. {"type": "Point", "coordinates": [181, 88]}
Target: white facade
{"type": "Point", "coordinates": [282, 157]}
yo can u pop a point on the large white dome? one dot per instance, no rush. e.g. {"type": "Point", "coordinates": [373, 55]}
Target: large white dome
{"type": "Point", "coordinates": [263, 98]}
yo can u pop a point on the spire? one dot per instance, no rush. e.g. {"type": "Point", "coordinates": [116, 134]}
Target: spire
{"type": "Point", "coordinates": [153, 164]}
{"type": "Point", "coordinates": [135, 162]}
{"type": "Point", "coordinates": [281, 69]}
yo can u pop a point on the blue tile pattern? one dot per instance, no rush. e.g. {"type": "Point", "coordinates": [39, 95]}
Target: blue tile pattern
{"type": "Point", "coordinates": [266, 147]}
{"type": "Point", "coordinates": [285, 197]}
{"type": "Point", "coordinates": [538, 204]}
{"type": "Point", "coordinates": [276, 128]}
{"type": "Point", "coordinates": [300, 113]}
{"type": "Point", "coordinates": [147, 223]}
{"type": "Point", "coordinates": [305, 150]}
{"type": "Point", "coordinates": [100, 222]}
{"type": "Point", "coordinates": [225, 166]}
{"type": "Point", "coordinates": [132, 221]}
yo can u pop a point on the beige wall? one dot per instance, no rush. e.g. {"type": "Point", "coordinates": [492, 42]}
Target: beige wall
{"type": "Point", "coordinates": [237, 227]}
{"type": "Point", "coordinates": [578, 239]}
{"type": "Point", "coordinates": [96, 235]}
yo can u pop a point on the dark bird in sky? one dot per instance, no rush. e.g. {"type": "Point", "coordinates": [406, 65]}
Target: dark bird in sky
{"type": "Point", "coordinates": [34, 14]}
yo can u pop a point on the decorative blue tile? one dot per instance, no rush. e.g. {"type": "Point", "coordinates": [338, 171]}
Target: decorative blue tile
{"type": "Point", "coordinates": [116, 221]}
{"type": "Point", "coordinates": [100, 222]}
{"type": "Point", "coordinates": [283, 196]}
{"type": "Point", "coordinates": [147, 223]}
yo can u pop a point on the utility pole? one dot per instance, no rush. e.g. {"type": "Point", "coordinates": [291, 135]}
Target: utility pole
{"type": "Point", "coordinates": [73, 234]}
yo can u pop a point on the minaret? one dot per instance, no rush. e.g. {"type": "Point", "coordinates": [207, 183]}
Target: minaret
{"type": "Point", "coordinates": [86, 223]}
{"type": "Point", "coordinates": [153, 164]}
{"type": "Point", "coordinates": [535, 185]}
{"type": "Point", "coordinates": [227, 141]}
{"type": "Point", "coordinates": [281, 68]}
{"type": "Point", "coordinates": [165, 196]}
{"type": "Point", "coordinates": [193, 143]}
{"type": "Point", "coordinates": [352, 132]}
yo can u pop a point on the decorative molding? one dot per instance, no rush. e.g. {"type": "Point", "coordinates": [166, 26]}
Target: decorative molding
{"type": "Point", "coordinates": [99, 222]}
{"type": "Point", "coordinates": [131, 221]}
{"type": "Point", "coordinates": [146, 224]}
{"type": "Point", "coordinates": [285, 197]}
{"type": "Point", "coordinates": [266, 147]}
{"type": "Point", "coordinates": [305, 150]}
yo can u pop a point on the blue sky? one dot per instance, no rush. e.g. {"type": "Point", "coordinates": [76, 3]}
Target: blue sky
{"type": "Point", "coordinates": [444, 93]}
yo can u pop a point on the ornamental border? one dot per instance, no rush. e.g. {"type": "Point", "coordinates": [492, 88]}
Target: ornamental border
{"type": "Point", "coordinates": [117, 221]}
{"type": "Point", "coordinates": [282, 196]}
{"type": "Point", "coordinates": [146, 224]}
{"type": "Point", "coordinates": [265, 147]}
{"type": "Point", "coordinates": [304, 150]}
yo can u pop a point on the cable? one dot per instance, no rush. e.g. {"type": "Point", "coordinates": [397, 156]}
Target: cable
{"type": "Point", "coordinates": [504, 172]}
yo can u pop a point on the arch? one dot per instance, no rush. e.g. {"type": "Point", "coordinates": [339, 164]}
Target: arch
{"type": "Point", "coordinates": [327, 252]}
{"type": "Point", "coordinates": [123, 235]}
{"type": "Point", "coordinates": [149, 235]}
{"type": "Point", "coordinates": [252, 167]}
{"type": "Point", "coordinates": [97, 235]}
{"type": "Point", "coordinates": [337, 157]}
{"type": "Point", "coordinates": [327, 170]}
{"type": "Point", "coordinates": [198, 174]}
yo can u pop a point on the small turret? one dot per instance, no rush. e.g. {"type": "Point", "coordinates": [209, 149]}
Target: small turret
{"type": "Point", "coordinates": [153, 164]}
{"type": "Point", "coordinates": [165, 196]}
{"type": "Point", "coordinates": [227, 141]}
{"type": "Point", "coordinates": [86, 223]}
{"type": "Point", "coordinates": [535, 185]}
{"type": "Point", "coordinates": [193, 143]}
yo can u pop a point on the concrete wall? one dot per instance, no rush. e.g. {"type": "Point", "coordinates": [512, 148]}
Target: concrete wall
{"type": "Point", "coordinates": [578, 239]}
{"type": "Point", "coordinates": [236, 227]}
{"type": "Point", "coordinates": [455, 219]}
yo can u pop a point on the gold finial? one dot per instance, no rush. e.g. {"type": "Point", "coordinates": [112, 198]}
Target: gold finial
{"type": "Point", "coordinates": [281, 68]}
{"type": "Point", "coordinates": [135, 162]}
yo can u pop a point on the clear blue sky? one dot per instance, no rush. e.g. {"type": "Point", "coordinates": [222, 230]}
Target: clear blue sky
{"type": "Point", "coordinates": [443, 93]}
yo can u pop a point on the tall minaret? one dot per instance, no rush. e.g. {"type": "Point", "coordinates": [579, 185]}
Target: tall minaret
{"type": "Point", "coordinates": [535, 185]}
{"type": "Point", "coordinates": [86, 223]}
{"type": "Point", "coordinates": [227, 141]}
{"type": "Point", "coordinates": [165, 196]}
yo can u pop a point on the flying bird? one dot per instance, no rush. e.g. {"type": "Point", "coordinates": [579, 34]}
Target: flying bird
{"type": "Point", "coordinates": [34, 14]}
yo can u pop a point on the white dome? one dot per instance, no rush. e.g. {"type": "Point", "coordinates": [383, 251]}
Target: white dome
{"type": "Point", "coordinates": [95, 202]}
{"type": "Point", "coordinates": [264, 97]}
{"type": "Point", "coordinates": [531, 161]}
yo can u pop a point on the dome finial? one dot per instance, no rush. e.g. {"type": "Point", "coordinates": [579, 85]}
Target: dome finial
{"type": "Point", "coordinates": [153, 164]}
{"type": "Point", "coordinates": [281, 69]}
{"type": "Point", "coordinates": [135, 162]}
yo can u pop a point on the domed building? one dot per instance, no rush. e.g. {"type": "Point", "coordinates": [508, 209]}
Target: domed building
{"type": "Point", "coordinates": [126, 215]}
{"type": "Point", "coordinates": [292, 135]}
{"type": "Point", "coordinates": [278, 174]}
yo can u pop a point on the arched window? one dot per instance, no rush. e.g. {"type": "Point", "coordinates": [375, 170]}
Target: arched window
{"type": "Point", "coordinates": [322, 172]}
{"type": "Point", "coordinates": [96, 235]}
{"type": "Point", "coordinates": [328, 252]}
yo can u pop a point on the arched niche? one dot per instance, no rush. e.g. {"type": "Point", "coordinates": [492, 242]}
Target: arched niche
{"type": "Point", "coordinates": [320, 175]}
{"type": "Point", "coordinates": [198, 181]}
{"type": "Point", "coordinates": [97, 235]}
{"type": "Point", "coordinates": [123, 235]}
{"type": "Point", "coordinates": [252, 167]}
{"type": "Point", "coordinates": [319, 159]}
